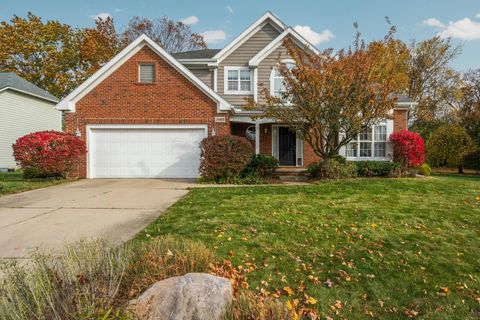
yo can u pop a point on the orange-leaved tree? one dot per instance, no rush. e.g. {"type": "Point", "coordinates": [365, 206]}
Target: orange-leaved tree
{"type": "Point", "coordinates": [53, 55]}
{"type": "Point", "coordinates": [332, 96]}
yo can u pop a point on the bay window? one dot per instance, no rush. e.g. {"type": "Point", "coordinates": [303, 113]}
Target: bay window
{"type": "Point", "coordinates": [370, 143]}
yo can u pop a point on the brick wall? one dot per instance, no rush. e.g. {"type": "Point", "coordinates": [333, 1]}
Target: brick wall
{"type": "Point", "coordinates": [120, 99]}
{"type": "Point", "coordinates": [400, 119]}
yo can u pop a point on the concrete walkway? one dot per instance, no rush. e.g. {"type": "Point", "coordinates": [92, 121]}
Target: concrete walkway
{"type": "Point", "coordinates": [110, 209]}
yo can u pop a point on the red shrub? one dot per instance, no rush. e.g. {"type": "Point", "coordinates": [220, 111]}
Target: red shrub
{"type": "Point", "coordinates": [408, 148]}
{"type": "Point", "coordinates": [224, 157]}
{"type": "Point", "coordinates": [51, 153]}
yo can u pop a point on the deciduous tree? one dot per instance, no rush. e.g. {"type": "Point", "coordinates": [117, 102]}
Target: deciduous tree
{"type": "Point", "coordinates": [53, 55]}
{"type": "Point", "coordinates": [173, 36]}
{"type": "Point", "coordinates": [97, 46]}
{"type": "Point", "coordinates": [447, 146]}
{"type": "Point", "coordinates": [469, 110]}
{"type": "Point", "coordinates": [331, 93]}
{"type": "Point", "coordinates": [44, 53]}
{"type": "Point", "coordinates": [432, 82]}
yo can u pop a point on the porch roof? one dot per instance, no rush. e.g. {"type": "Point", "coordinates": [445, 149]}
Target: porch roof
{"type": "Point", "coordinates": [248, 119]}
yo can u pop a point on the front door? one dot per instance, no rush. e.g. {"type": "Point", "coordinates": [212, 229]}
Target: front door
{"type": "Point", "coordinates": [287, 142]}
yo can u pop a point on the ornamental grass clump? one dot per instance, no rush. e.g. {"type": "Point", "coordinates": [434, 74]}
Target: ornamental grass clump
{"type": "Point", "coordinates": [94, 279]}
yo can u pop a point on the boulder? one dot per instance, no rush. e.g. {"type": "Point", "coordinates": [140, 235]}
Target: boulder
{"type": "Point", "coordinates": [196, 296]}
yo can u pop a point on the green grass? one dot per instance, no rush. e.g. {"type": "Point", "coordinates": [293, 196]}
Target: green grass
{"type": "Point", "coordinates": [393, 248]}
{"type": "Point", "coordinates": [13, 182]}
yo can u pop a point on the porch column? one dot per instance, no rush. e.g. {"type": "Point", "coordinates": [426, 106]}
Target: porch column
{"type": "Point", "coordinates": [257, 136]}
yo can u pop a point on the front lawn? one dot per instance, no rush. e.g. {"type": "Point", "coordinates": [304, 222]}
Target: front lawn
{"type": "Point", "coordinates": [364, 248]}
{"type": "Point", "coordinates": [13, 182]}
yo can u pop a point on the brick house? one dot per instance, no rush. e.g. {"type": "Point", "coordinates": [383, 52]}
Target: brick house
{"type": "Point", "coordinates": [144, 113]}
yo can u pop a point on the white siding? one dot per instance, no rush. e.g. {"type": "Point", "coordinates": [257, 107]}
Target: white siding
{"type": "Point", "coordinates": [21, 114]}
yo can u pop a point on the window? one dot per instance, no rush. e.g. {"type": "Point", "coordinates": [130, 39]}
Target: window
{"type": "Point", "coordinates": [380, 144]}
{"type": "Point", "coordinates": [370, 143]}
{"type": "Point", "coordinates": [277, 85]}
{"type": "Point", "coordinates": [238, 80]}
{"type": "Point", "coordinates": [146, 73]}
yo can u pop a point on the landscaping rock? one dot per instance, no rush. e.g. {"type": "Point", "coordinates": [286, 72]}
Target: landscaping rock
{"type": "Point", "coordinates": [196, 296]}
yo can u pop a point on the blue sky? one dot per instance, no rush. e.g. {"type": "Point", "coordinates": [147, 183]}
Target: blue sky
{"type": "Point", "coordinates": [327, 23]}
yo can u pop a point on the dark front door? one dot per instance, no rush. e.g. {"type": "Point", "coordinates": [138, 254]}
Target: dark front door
{"type": "Point", "coordinates": [287, 142]}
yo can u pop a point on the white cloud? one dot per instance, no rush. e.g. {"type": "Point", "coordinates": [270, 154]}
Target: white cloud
{"type": "Point", "coordinates": [117, 10]}
{"type": "Point", "coordinates": [478, 15]}
{"type": "Point", "coordinates": [190, 20]}
{"type": "Point", "coordinates": [314, 37]}
{"type": "Point", "coordinates": [102, 15]}
{"type": "Point", "coordinates": [214, 36]}
{"type": "Point", "coordinates": [464, 29]}
{"type": "Point", "coordinates": [432, 22]}
{"type": "Point", "coordinates": [230, 9]}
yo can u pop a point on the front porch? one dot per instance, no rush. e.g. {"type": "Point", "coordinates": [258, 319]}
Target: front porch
{"type": "Point", "coordinates": [276, 140]}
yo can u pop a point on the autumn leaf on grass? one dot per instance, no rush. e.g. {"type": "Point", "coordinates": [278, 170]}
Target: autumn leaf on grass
{"type": "Point", "coordinates": [411, 313]}
{"type": "Point", "coordinates": [344, 275]}
{"type": "Point", "coordinates": [288, 291]}
{"type": "Point", "coordinates": [336, 306]}
{"type": "Point", "coordinates": [310, 300]}
{"type": "Point", "coordinates": [313, 279]}
{"type": "Point", "coordinates": [443, 291]}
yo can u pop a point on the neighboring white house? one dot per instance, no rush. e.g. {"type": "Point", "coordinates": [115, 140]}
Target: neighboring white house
{"type": "Point", "coordinates": [24, 108]}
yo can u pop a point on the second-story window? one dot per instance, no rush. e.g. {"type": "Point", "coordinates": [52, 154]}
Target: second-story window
{"type": "Point", "coordinates": [277, 84]}
{"type": "Point", "coordinates": [146, 73]}
{"type": "Point", "coordinates": [238, 80]}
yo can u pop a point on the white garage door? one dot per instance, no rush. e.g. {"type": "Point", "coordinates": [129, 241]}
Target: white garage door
{"type": "Point", "coordinates": [145, 152]}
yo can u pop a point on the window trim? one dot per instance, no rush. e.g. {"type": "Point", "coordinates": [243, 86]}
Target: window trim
{"type": "Point", "coordinates": [147, 63]}
{"type": "Point", "coordinates": [372, 143]}
{"type": "Point", "coordinates": [237, 92]}
{"type": "Point", "coordinates": [272, 77]}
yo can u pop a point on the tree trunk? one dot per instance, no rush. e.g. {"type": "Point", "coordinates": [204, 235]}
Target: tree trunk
{"type": "Point", "coordinates": [460, 170]}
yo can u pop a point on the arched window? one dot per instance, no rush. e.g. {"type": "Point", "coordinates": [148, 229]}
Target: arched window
{"type": "Point", "coordinates": [277, 84]}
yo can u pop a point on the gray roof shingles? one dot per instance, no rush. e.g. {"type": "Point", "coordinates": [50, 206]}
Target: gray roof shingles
{"type": "Point", "coordinates": [196, 54]}
{"type": "Point", "coordinates": [13, 81]}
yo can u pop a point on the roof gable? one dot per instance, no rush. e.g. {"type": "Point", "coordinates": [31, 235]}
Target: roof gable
{"type": "Point", "coordinates": [68, 103]}
{"type": "Point", "coordinates": [248, 33]}
{"type": "Point", "coordinates": [277, 42]}
{"type": "Point", "coordinates": [10, 80]}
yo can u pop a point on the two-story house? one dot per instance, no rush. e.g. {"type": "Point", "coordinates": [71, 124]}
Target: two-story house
{"type": "Point", "coordinates": [144, 113]}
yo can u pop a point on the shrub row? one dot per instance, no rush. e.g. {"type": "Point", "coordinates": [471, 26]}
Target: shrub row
{"type": "Point", "coordinates": [338, 168]}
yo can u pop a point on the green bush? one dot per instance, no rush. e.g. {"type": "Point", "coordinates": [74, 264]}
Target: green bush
{"type": "Point", "coordinates": [376, 168]}
{"type": "Point", "coordinates": [425, 170]}
{"type": "Point", "coordinates": [447, 147]}
{"type": "Point", "coordinates": [94, 279]}
{"type": "Point", "coordinates": [472, 161]}
{"type": "Point", "coordinates": [35, 173]}
{"type": "Point", "coordinates": [334, 168]}
{"type": "Point", "coordinates": [262, 166]}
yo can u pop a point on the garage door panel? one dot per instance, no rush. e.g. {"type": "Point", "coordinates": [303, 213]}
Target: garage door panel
{"type": "Point", "coordinates": [145, 153]}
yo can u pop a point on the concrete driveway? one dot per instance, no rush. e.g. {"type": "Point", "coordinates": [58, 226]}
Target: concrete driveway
{"type": "Point", "coordinates": [110, 209]}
